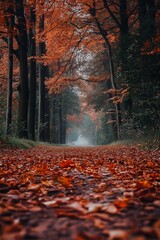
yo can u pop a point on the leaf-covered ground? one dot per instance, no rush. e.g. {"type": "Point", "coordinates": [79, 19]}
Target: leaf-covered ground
{"type": "Point", "coordinates": [68, 193]}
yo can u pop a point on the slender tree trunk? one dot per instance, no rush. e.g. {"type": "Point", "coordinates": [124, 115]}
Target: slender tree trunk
{"type": "Point", "coordinates": [55, 120]}
{"type": "Point", "coordinates": [142, 14]}
{"type": "Point", "coordinates": [124, 29]}
{"type": "Point", "coordinates": [124, 45]}
{"type": "Point", "coordinates": [111, 67]}
{"type": "Point", "coordinates": [22, 128]}
{"type": "Point", "coordinates": [124, 34]}
{"type": "Point", "coordinates": [64, 127]}
{"type": "Point", "coordinates": [61, 119]}
{"type": "Point", "coordinates": [103, 32]}
{"type": "Point", "coordinates": [44, 101]}
{"type": "Point", "coordinates": [122, 24]}
{"type": "Point", "coordinates": [10, 73]}
{"type": "Point", "coordinates": [32, 75]}
{"type": "Point", "coordinates": [152, 16]}
{"type": "Point", "coordinates": [41, 112]}
{"type": "Point", "coordinates": [47, 110]}
{"type": "Point", "coordinates": [146, 10]}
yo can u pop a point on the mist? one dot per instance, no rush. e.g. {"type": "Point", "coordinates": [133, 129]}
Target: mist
{"type": "Point", "coordinates": [81, 141]}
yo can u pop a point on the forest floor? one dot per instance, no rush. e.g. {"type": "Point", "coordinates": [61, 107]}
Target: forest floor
{"type": "Point", "coordinates": [79, 193]}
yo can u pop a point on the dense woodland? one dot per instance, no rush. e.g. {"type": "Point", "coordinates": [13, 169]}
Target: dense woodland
{"type": "Point", "coordinates": [65, 63]}
{"type": "Point", "coordinates": [73, 72]}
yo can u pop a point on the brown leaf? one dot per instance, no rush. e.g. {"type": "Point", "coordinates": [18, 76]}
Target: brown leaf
{"type": "Point", "coordinates": [66, 163]}
{"type": "Point", "coordinates": [56, 201]}
{"type": "Point", "coordinates": [77, 206]}
{"type": "Point", "coordinates": [94, 207]}
{"type": "Point", "coordinates": [99, 223]}
{"type": "Point", "coordinates": [112, 209]}
{"type": "Point", "coordinates": [65, 181]}
{"type": "Point", "coordinates": [116, 234]}
{"type": "Point", "coordinates": [143, 184]}
{"type": "Point", "coordinates": [157, 228]}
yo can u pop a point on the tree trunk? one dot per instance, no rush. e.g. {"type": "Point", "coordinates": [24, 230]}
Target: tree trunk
{"type": "Point", "coordinates": [111, 67]}
{"type": "Point", "coordinates": [42, 92]}
{"type": "Point", "coordinates": [55, 119]}
{"type": "Point", "coordinates": [151, 16]}
{"type": "Point", "coordinates": [61, 119]}
{"type": "Point", "coordinates": [32, 76]}
{"type": "Point", "coordinates": [64, 127]}
{"type": "Point", "coordinates": [124, 45]}
{"type": "Point", "coordinates": [124, 39]}
{"type": "Point", "coordinates": [22, 128]}
{"type": "Point", "coordinates": [146, 10]}
{"type": "Point", "coordinates": [44, 101]}
{"type": "Point", "coordinates": [47, 110]}
{"type": "Point", "coordinates": [124, 29]}
{"type": "Point", "coordinates": [124, 34]}
{"type": "Point", "coordinates": [10, 73]}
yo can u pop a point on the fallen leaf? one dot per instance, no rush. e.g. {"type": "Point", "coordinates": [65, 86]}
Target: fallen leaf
{"type": "Point", "coordinates": [121, 202]}
{"type": "Point", "coordinates": [117, 234]}
{"type": "Point", "coordinates": [102, 186]}
{"type": "Point", "coordinates": [143, 184]}
{"type": "Point", "coordinates": [33, 186]}
{"type": "Point", "coordinates": [99, 223]}
{"type": "Point", "coordinates": [66, 163]}
{"type": "Point", "coordinates": [48, 183]}
{"type": "Point", "coordinates": [56, 201]}
{"type": "Point", "coordinates": [128, 194]}
{"type": "Point", "coordinates": [35, 209]}
{"type": "Point", "coordinates": [150, 164]}
{"type": "Point", "coordinates": [157, 203]}
{"type": "Point", "coordinates": [77, 206]}
{"type": "Point", "coordinates": [110, 209]}
{"type": "Point", "coordinates": [65, 181]}
{"type": "Point", "coordinates": [157, 228]}
{"type": "Point", "coordinates": [94, 207]}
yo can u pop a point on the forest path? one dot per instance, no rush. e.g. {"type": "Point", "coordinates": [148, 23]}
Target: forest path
{"type": "Point", "coordinates": [79, 193]}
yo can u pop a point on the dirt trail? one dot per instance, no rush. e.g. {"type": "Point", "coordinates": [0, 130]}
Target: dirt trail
{"type": "Point", "coordinates": [75, 193]}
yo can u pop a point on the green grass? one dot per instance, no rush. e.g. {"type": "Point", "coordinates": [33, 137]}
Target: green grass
{"type": "Point", "coordinates": [124, 142]}
{"type": "Point", "coordinates": [13, 142]}
{"type": "Point", "coordinates": [151, 143]}
{"type": "Point", "coordinates": [147, 143]}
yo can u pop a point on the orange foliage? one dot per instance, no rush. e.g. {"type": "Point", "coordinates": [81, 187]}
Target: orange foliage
{"type": "Point", "coordinates": [74, 118]}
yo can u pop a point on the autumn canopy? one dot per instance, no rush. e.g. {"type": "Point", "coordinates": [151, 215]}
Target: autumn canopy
{"type": "Point", "coordinates": [94, 61]}
{"type": "Point", "coordinates": [79, 119]}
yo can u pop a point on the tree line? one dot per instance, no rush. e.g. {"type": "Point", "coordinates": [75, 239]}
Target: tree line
{"type": "Point", "coordinates": [37, 111]}
{"type": "Point", "coordinates": [44, 46]}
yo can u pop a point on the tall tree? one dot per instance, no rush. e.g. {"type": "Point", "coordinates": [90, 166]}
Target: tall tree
{"type": "Point", "coordinates": [104, 34]}
{"type": "Point", "coordinates": [43, 112]}
{"type": "Point", "coordinates": [146, 10]}
{"type": "Point", "coordinates": [10, 23]}
{"type": "Point", "coordinates": [22, 128]}
{"type": "Point", "coordinates": [32, 73]}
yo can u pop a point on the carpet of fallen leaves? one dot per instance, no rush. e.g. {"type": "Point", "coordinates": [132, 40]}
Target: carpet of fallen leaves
{"type": "Point", "coordinates": [78, 193]}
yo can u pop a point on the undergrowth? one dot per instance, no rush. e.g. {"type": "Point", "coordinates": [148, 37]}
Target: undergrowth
{"type": "Point", "coordinates": [13, 142]}
{"type": "Point", "coordinates": [148, 143]}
